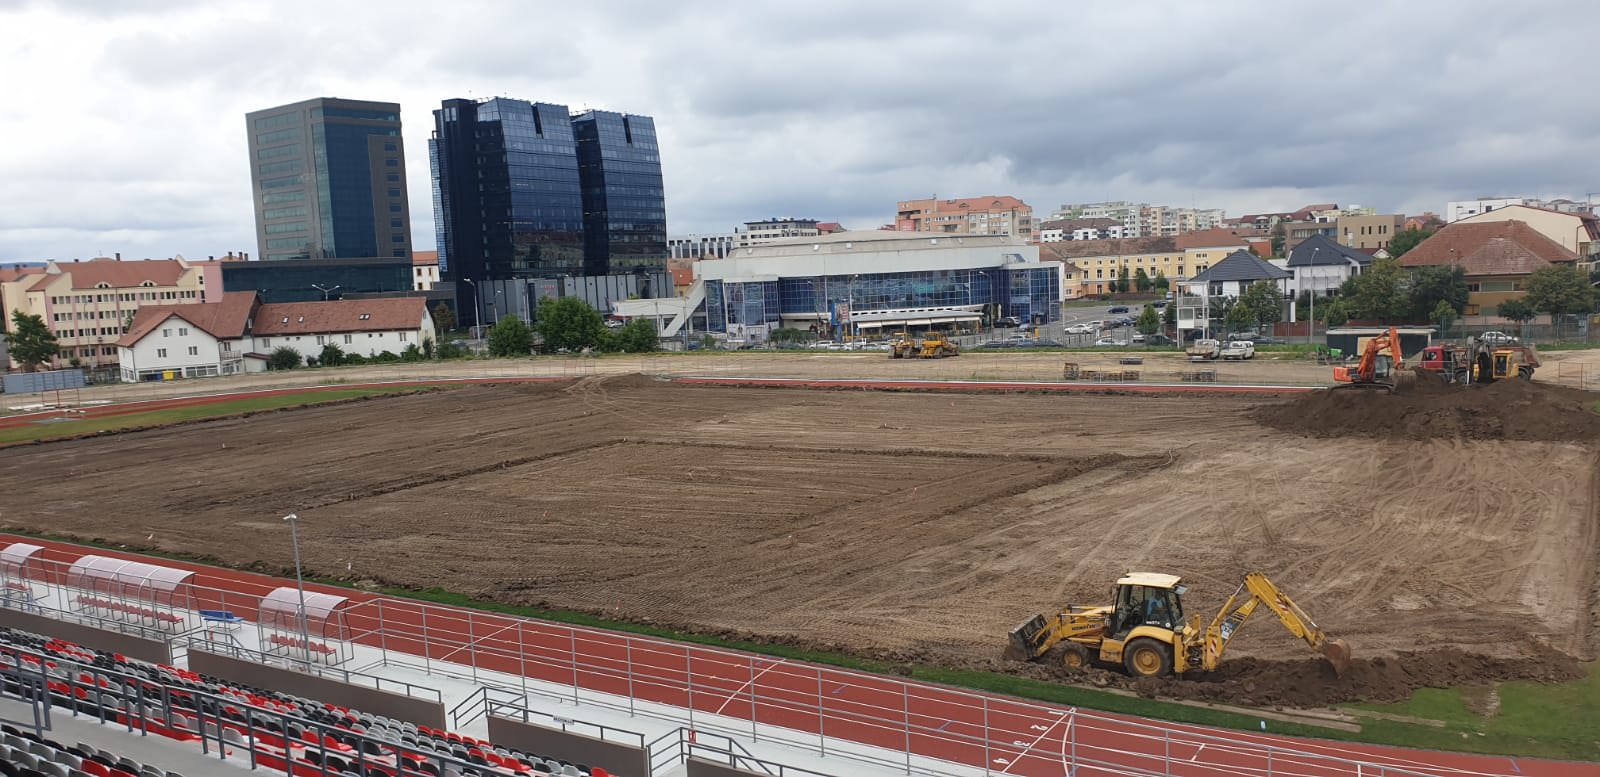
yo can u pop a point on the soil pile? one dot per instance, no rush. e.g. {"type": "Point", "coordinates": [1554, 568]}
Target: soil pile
{"type": "Point", "coordinates": [1428, 408]}
{"type": "Point", "coordinates": [1312, 683]}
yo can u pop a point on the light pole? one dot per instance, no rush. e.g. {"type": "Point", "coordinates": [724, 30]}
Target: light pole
{"type": "Point", "coordinates": [325, 291]}
{"type": "Point", "coordinates": [477, 307]}
{"type": "Point", "coordinates": [299, 582]}
{"type": "Point", "coordinates": [1311, 325]}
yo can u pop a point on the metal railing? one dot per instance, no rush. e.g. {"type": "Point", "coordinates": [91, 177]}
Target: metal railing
{"type": "Point", "coordinates": [814, 708]}
{"type": "Point", "coordinates": [342, 674]}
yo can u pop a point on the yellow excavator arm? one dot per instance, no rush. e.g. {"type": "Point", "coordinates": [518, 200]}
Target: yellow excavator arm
{"type": "Point", "coordinates": [1255, 591]}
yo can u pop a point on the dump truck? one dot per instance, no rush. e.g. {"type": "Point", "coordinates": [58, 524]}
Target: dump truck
{"type": "Point", "coordinates": [1204, 349]}
{"type": "Point", "coordinates": [1479, 361]}
{"type": "Point", "coordinates": [1145, 633]}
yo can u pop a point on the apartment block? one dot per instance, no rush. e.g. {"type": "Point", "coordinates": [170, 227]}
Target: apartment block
{"type": "Point", "coordinates": [998, 215]}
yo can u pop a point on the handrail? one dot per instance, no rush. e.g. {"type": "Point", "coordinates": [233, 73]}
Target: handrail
{"type": "Point", "coordinates": [192, 642]}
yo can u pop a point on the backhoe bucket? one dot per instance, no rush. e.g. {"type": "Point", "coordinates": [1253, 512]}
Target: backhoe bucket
{"type": "Point", "coordinates": [1337, 651]}
{"type": "Point", "coordinates": [1022, 638]}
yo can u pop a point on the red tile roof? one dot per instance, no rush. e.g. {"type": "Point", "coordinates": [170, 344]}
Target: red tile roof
{"type": "Point", "coordinates": [347, 315]}
{"type": "Point", "coordinates": [116, 274]}
{"type": "Point", "coordinates": [1489, 248]}
{"type": "Point", "coordinates": [225, 320]}
{"type": "Point", "coordinates": [8, 274]}
{"type": "Point", "coordinates": [1211, 238]}
{"type": "Point", "coordinates": [424, 257]}
{"type": "Point", "coordinates": [1074, 249]}
{"type": "Point", "coordinates": [829, 227]}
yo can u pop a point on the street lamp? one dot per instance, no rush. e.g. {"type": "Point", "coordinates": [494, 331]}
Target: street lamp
{"type": "Point", "coordinates": [1311, 325]}
{"type": "Point", "coordinates": [299, 582]}
{"type": "Point", "coordinates": [477, 307]}
{"type": "Point", "coordinates": [325, 291]}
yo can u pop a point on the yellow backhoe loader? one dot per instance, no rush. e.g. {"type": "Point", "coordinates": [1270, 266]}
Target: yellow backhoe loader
{"type": "Point", "coordinates": [1145, 631]}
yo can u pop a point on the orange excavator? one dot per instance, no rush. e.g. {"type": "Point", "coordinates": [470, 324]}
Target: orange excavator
{"type": "Point", "coordinates": [1380, 367]}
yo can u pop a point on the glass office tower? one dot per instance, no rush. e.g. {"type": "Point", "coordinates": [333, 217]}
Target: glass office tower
{"type": "Point", "coordinates": [506, 186]}
{"type": "Point", "coordinates": [624, 203]}
{"type": "Point", "coordinates": [329, 180]}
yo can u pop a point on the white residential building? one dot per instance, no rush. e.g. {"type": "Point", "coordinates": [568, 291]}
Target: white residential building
{"type": "Point", "coordinates": [1140, 219]}
{"type": "Point", "coordinates": [237, 335]}
{"type": "Point", "coordinates": [424, 270]}
{"type": "Point", "coordinates": [1458, 210]}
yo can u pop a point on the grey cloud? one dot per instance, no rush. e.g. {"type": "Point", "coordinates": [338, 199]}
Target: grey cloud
{"type": "Point", "coordinates": [833, 110]}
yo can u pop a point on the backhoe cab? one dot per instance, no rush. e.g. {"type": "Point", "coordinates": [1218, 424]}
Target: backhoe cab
{"type": "Point", "coordinates": [1145, 632]}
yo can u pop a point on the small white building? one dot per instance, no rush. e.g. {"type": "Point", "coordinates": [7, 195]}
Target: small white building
{"type": "Point", "coordinates": [238, 334]}
{"type": "Point", "coordinates": [1321, 265]}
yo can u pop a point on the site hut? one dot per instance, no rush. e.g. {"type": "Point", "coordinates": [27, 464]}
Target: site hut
{"type": "Point", "coordinates": [866, 284]}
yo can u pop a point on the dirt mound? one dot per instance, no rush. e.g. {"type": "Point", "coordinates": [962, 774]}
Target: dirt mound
{"type": "Point", "coordinates": [1429, 408]}
{"type": "Point", "coordinates": [1312, 683]}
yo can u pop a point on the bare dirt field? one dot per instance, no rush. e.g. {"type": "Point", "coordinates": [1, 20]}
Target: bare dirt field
{"type": "Point", "coordinates": [894, 524]}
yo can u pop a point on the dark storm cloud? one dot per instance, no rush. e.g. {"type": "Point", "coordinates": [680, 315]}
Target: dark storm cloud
{"type": "Point", "coordinates": [833, 110]}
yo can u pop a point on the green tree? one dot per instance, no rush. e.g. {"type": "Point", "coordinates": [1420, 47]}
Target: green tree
{"type": "Point", "coordinates": [569, 322]}
{"type": "Point", "coordinates": [283, 358]}
{"type": "Point", "coordinates": [1124, 281]}
{"type": "Point", "coordinates": [1169, 318]}
{"type": "Point", "coordinates": [428, 349]}
{"type": "Point", "coordinates": [1238, 317]}
{"type": "Point", "coordinates": [1444, 315]}
{"type": "Point", "coordinates": [791, 335]}
{"type": "Point", "coordinates": [1518, 311]}
{"type": "Point", "coordinates": [1335, 313]}
{"type": "Point", "coordinates": [1149, 321]}
{"type": "Point", "coordinates": [1405, 240]}
{"type": "Point", "coordinates": [1263, 303]}
{"type": "Point", "coordinates": [1161, 282]}
{"type": "Point", "coordinates": [332, 355]}
{"type": "Point", "coordinates": [1560, 290]}
{"type": "Point", "coordinates": [451, 349]}
{"type": "Point", "coordinates": [1141, 281]}
{"type": "Point", "coordinates": [31, 342]}
{"type": "Point", "coordinates": [412, 353]}
{"type": "Point", "coordinates": [510, 336]}
{"type": "Point", "coordinates": [444, 319]}
{"type": "Point", "coordinates": [1379, 293]}
{"type": "Point", "coordinates": [638, 336]}
{"type": "Point", "coordinates": [1430, 285]}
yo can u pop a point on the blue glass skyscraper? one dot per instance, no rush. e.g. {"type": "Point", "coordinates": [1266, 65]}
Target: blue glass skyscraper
{"type": "Point", "coordinates": [624, 203]}
{"type": "Point", "coordinates": [329, 180]}
{"type": "Point", "coordinates": [526, 190]}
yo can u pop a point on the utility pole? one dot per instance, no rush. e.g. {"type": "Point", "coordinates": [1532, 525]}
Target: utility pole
{"type": "Point", "coordinates": [300, 583]}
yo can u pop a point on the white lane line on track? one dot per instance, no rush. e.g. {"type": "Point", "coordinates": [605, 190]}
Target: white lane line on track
{"type": "Point", "coordinates": [1052, 727]}
{"type": "Point", "coordinates": [747, 685]}
{"type": "Point", "coordinates": [1197, 754]}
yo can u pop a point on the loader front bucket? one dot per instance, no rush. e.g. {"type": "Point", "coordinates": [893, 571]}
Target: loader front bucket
{"type": "Point", "coordinates": [1021, 641]}
{"type": "Point", "coordinates": [1337, 651]}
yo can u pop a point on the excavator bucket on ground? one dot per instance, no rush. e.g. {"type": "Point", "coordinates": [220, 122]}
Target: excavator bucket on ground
{"type": "Point", "coordinates": [1337, 651]}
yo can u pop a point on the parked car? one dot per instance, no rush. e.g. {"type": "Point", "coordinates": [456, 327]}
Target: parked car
{"type": "Point", "coordinates": [1159, 340]}
{"type": "Point", "coordinates": [1008, 322]}
{"type": "Point", "coordinates": [1138, 339]}
{"type": "Point", "coordinates": [1080, 329]}
{"type": "Point", "coordinates": [999, 344]}
{"type": "Point", "coordinates": [1117, 309]}
{"type": "Point", "coordinates": [1109, 341]}
{"type": "Point", "coordinates": [1267, 340]}
{"type": "Point", "coordinates": [1044, 342]}
{"type": "Point", "coordinates": [1239, 349]}
{"type": "Point", "coordinates": [824, 345]}
{"type": "Point", "coordinates": [1497, 338]}
{"type": "Point", "coordinates": [1159, 304]}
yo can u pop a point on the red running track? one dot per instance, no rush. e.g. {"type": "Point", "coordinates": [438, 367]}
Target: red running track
{"type": "Point", "coordinates": [993, 386]}
{"type": "Point", "coordinates": [810, 702]}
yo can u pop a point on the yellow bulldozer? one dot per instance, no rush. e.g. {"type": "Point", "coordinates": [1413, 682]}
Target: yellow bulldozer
{"type": "Point", "coordinates": [931, 345]}
{"type": "Point", "coordinates": [1145, 632]}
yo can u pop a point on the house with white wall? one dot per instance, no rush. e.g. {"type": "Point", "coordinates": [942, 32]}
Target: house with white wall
{"type": "Point", "coordinates": [1198, 296]}
{"type": "Point", "coordinates": [236, 335]}
{"type": "Point", "coordinates": [1321, 265]}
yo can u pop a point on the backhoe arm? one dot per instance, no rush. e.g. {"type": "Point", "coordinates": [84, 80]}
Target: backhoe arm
{"type": "Point", "coordinates": [1262, 591]}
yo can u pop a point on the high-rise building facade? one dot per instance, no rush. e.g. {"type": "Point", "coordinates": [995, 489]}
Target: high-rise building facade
{"type": "Point", "coordinates": [329, 180]}
{"type": "Point", "coordinates": [507, 200]}
{"type": "Point", "coordinates": [528, 190]}
{"type": "Point", "coordinates": [624, 202]}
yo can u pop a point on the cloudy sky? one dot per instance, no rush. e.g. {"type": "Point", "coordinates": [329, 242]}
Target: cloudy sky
{"type": "Point", "coordinates": [123, 123]}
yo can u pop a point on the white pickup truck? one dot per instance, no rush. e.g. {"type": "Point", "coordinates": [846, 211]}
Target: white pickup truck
{"type": "Point", "coordinates": [1204, 350]}
{"type": "Point", "coordinates": [1239, 349]}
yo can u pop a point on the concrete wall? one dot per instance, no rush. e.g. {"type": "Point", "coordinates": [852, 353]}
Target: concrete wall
{"type": "Point", "coordinates": [614, 757]}
{"type": "Point", "coordinates": [702, 768]}
{"type": "Point", "coordinates": [423, 712]}
{"type": "Point", "coordinates": [100, 639]}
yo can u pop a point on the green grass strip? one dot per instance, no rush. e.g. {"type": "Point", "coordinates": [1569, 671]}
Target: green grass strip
{"type": "Point", "coordinates": [38, 431]}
